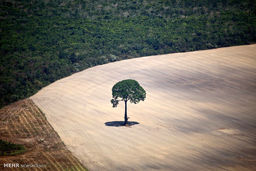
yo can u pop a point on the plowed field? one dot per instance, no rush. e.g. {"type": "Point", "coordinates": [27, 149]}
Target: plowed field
{"type": "Point", "coordinates": [23, 123]}
{"type": "Point", "coordinates": [199, 113]}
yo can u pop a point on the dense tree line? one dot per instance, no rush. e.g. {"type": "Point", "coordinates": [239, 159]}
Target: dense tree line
{"type": "Point", "coordinates": [42, 41]}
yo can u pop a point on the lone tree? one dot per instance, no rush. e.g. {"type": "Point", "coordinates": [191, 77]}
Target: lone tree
{"type": "Point", "coordinates": [127, 90]}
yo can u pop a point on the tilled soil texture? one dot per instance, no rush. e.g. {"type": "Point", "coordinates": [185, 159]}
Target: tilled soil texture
{"type": "Point", "coordinates": [23, 123]}
{"type": "Point", "coordinates": [199, 113]}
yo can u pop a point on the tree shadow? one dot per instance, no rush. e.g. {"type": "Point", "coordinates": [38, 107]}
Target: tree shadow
{"type": "Point", "coordinates": [121, 123]}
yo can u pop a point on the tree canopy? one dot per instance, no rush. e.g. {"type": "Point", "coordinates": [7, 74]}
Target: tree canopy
{"type": "Point", "coordinates": [127, 90]}
{"type": "Point", "coordinates": [43, 41]}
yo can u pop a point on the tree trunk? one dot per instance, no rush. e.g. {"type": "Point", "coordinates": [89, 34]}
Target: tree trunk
{"type": "Point", "coordinates": [125, 113]}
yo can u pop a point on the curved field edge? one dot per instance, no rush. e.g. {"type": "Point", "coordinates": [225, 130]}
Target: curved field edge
{"type": "Point", "coordinates": [198, 115]}
{"type": "Point", "coordinates": [43, 41]}
{"type": "Point", "coordinates": [23, 123]}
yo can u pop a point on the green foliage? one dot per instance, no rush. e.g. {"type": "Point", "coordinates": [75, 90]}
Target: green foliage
{"type": "Point", "coordinates": [9, 149]}
{"type": "Point", "coordinates": [127, 90]}
{"type": "Point", "coordinates": [43, 41]}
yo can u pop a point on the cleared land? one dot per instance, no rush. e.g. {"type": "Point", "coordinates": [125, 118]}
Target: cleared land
{"type": "Point", "coordinates": [23, 123]}
{"type": "Point", "coordinates": [199, 114]}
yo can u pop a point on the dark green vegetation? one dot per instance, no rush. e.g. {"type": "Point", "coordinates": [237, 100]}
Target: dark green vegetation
{"type": "Point", "coordinates": [9, 149]}
{"type": "Point", "coordinates": [127, 90]}
{"type": "Point", "coordinates": [42, 41]}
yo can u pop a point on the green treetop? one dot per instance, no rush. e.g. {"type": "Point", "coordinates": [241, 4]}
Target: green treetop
{"type": "Point", "coordinates": [127, 90]}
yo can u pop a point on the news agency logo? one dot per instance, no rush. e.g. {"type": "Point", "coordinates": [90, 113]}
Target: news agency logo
{"type": "Point", "coordinates": [12, 165]}
{"type": "Point", "coordinates": [17, 165]}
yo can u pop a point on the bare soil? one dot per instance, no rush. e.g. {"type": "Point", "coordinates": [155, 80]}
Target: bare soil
{"type": "Point", "coordinates": [199, 113]}
{"type": "Point", "coordinates": [23, 123]}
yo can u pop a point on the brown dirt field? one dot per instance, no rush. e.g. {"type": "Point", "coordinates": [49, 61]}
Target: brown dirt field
{"type": "Point", "coordinates": [199, 113]}
{"type": "Point", "coordinates": [23, 123]}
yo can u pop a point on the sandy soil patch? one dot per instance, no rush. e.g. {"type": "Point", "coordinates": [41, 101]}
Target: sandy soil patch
{"type": "Point", "coordinates": [195, 101]}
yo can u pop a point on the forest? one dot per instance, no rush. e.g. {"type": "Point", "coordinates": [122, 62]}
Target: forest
{"type": "Point", "coordinates": [43, 41]}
